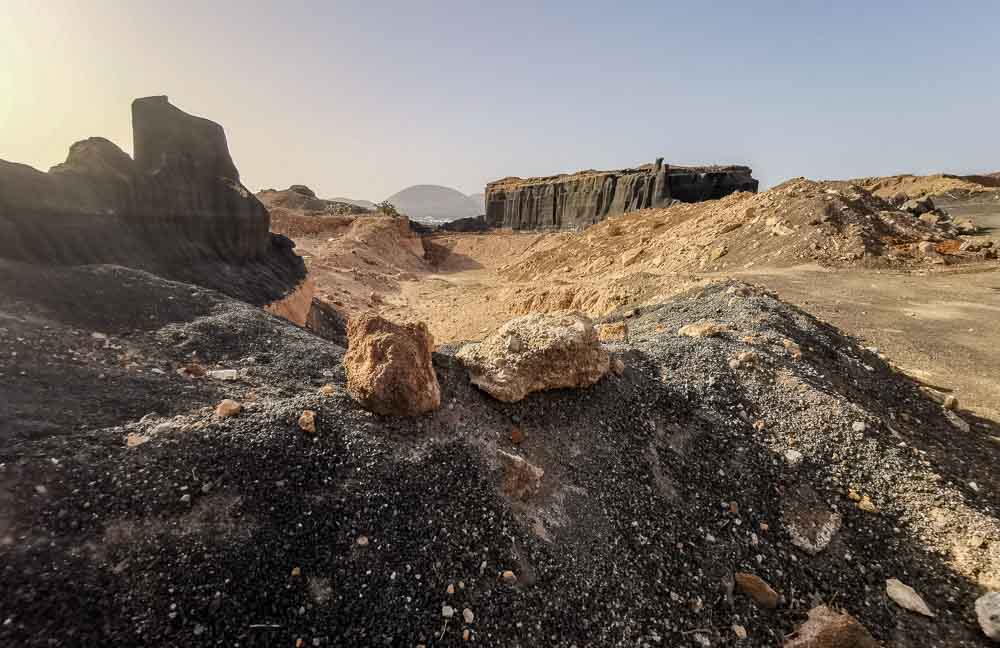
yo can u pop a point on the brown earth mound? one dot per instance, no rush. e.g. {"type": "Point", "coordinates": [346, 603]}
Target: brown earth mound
{"type": "Point", "coordinates": [939, 184]}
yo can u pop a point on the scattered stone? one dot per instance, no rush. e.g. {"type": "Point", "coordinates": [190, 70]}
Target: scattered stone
{"type": "Point", "coordinates": [793, 349]}
{"type": "Point", "coordinates": [362, 541]}
{"type": "Point", "coordinates": [307, 421]}
{"type": "Point", "coordinates": [867, 505]}
{"type": "Point", "coordinates": [186, 498]}
{"type": "Point", "coordinates": [450, 589]}
{"type": "Point", "coordinates": [906, 597]}
{"type": "Point", "coordinates": [468, 616]}
{"type": "Point", "coordinates": [296, 572]}
{"type": "Point", "coordinates": [327, 390]}
{"type": "Point", "coordinates": [516, 435]}
{"type": "Point", "coordinates": [192, 370]}
{"type": "Point", "coordinates": [389, 368]}
{"type": "Point", "coordinates": [618, 366]}
{"type": "Point", "coordinates": [744, 360]}
{"type": "Point", "coordinates": [827, 628]}
{"type": "Point", "coordinates": [793, 457]}
{"type": "Point", "coordinates": [957, 421]}
{"type": "Point", "coordinates": [521, 479]}
{"type": "Point", "coordinates": [918, 206]}
{"type": "Point", "coordinates": [988, 614]}
{"type": "Point", "coordinates": [947, 401]}
{"type": "Point", "coordinates": [224, 374]}
{"type": "Point", "coordinates": [704, 328]}
{"type": "Point", "coordinates": [466, 634]}
{"type": "Point", "coordinates": [859, 426]}
{"type": "Point", "coordinates": [132, 439]}
{"type": "Point", "coordinates": [227, 408]}
{"type": "Point", "coordinates": [757, 589]}
{"type": "Point", "coordinates": [555, 350]}
{"type": "Point", "coordinates": [739, 631]}
{"type": "Point", "coordinates": [810, 524]}
{"type": "Point", "coordinates": [447, 611]}
{"type": "Point", "coordinates": [614, 332]}
{"type": "Point", "coordinates": [508, 578]}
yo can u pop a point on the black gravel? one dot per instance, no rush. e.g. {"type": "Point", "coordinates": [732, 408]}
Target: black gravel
{"type": "Point", "coordinates": [657, 487]}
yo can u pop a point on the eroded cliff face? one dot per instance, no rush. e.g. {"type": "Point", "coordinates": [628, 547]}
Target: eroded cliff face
{"type": "Point", "coordinates": [581, 199]}
{"type": "Point", "coordinates": [178, 210]}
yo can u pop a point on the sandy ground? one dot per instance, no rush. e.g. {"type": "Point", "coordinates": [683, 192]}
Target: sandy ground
{"type": "Point", "coordinates": [935, 321]}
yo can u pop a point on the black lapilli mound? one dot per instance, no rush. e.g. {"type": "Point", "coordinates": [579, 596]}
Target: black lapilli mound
{"type": "Point", "coordinates": [659, 486]}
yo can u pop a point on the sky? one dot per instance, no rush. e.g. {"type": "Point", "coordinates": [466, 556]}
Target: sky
{"type": "Point", "coordinates": [361, 99]}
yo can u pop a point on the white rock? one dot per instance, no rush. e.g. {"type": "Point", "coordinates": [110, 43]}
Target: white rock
{"type": "Point", "coordinates": [468, 615]}
{"type": "Point", "coordinates": [224, 374]}
{"type": "Point", "coordinates": [447, 611]}
{"type": "Point", "coordinates": [859, 426]}
{"type": "Point", "coordinates": [988, 613]}
{"type": "Point", "coordinates": [906, 597]}
{"type": "Point", "coordinates": [793, 457]}
{"type": "Point", "coordinates": [957, 421]}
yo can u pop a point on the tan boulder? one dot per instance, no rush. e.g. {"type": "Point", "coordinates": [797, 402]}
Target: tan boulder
{"type": "Point", "coordinates": [613, 332]}
{"type": "Point", "coordinates": [536, 352]}
{"type": "Point", "coordinates": [227, 408]}
{"type": "Point", "coordinates": [307, 421]}
{"type": "Point", "coordinates": [704, 328]}
{"type": "Point", "coordinates": [389, 369]}
{"type": "Point", "coordinates": [827, 628]}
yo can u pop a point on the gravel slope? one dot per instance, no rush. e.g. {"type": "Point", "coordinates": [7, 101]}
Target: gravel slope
{"type": "Point", "coordinates": [658, 486]}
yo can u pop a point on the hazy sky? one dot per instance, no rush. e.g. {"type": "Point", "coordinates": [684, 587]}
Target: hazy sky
{"type": "Point", "coordinates": [363, 98]}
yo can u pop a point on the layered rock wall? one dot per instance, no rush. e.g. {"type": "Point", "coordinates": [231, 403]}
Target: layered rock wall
{"type": "Point", "coordinates": [178, 210]}
{"type": "Point", "coordinates": [582, 199]}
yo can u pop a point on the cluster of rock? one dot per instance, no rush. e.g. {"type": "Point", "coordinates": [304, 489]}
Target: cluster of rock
{"type": "Point", "coordinates": [303, 199]}
{"type": "Point", "coordinates": [582, 199]}
{"type": "Point", "coordinates": [177, 210]}
{"type": "Point", "coordinates": [927, 212]}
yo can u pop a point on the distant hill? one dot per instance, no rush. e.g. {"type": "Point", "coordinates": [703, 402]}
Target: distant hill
{"type": "Point", "coordinates": [367, 204]}
{"type": "Point", "coordinates": [435, 203]}
{"type": "Point", "coordinates": [479, 199]}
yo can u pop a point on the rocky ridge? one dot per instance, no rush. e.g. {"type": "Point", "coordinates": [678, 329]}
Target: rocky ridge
{"type": "Point", "coordinates": [578, 200]}
{"type": "Point", "coordinates": [178, 209]}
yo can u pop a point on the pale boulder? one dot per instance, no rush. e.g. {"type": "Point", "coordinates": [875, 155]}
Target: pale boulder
{"type": "Point", "coordinates": [827, 628]}
{"type": "Point", "coordinates": [536, 352]}
{"type": "Point", "coordinates": [389, 368]}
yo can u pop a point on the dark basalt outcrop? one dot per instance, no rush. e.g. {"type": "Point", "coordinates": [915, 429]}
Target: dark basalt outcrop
{"type": "Point", "coordinates": [177, 210]}
{"type": "Point", "coordinates": [584, 198]}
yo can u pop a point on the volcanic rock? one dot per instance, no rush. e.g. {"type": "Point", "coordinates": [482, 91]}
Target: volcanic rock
{"type": "Point", "coordinates": [536, 352]}
{"type": "Point", "coordinates": [521, 479]}
{"type": "Point", "coordinates": [584, 198]}
{"type": "Point", "coordinates": [827, 628]}
{"type": "Point", "coordinates": [757, 588]}
{"type": "Point", "coordinates": [178, 210]}
{"type": "Point", "coordinates": [389, 369]}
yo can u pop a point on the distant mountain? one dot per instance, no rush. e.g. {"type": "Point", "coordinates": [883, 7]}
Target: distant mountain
{"type": "Point", "coordinates": [435, 203]}
{"type": "Point", "coordinates": [367, 204]}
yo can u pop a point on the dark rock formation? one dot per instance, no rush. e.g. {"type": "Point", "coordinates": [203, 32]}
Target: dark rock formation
{"type": "Point", "coordinates": [584, 198]}
{"type": "Point", "coordinates": [473, 224]}
{"type": "Point", "coordinates": [178, 210]}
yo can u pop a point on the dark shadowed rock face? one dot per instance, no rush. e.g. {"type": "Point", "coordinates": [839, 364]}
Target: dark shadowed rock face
{"type": "Point", "coordinates": [584, 198]}
{"type": "Point", "coordinates": [177, 210]}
